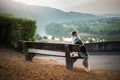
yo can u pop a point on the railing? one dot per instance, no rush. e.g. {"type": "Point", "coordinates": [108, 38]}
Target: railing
{"type": "Point", "coordinates": [111, 47]}
{"type": "Point", "coordinates": [98, 47]}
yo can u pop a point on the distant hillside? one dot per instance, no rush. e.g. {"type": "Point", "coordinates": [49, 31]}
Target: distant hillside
{"type": "Point", "coordinates": [106, 29]}
{"type": "Point", "coordinates": [43, 15]}
{"type": "Point", "coordinates": [110, 15]}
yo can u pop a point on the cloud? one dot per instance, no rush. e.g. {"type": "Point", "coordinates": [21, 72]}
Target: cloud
{"type": "Point", "coordinates": [98, 6]}
{"type": "Point", "coordinates": [86, 6]}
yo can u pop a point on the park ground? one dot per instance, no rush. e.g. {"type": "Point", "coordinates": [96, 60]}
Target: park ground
{"type": "Point", "coordinates": [14, 67]}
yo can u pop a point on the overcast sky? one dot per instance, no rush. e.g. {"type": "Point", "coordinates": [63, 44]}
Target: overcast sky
{"type": "Point", "coordinates": [84, 6]}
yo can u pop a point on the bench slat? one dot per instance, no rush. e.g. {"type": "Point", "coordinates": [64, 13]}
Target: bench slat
{"type": "Point", "coordinates": [49, 55]}
{"type": "Point", "coordinates": [52, 46]}
{"type": "Point", "coordinates": [46, 46]}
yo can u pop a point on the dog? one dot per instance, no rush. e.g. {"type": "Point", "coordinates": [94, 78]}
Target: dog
{"type": "Point", "coordinates": [77, 40]}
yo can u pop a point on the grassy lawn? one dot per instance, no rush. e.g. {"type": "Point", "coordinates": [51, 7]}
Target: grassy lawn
{"type": "Point", "coordinates": [14, 67]}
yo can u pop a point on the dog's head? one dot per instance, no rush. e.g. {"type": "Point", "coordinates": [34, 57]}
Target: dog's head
{"type": "Point", "coordinates": [75, 37]}
{"type": "Point", "coordinates": [74, 34]}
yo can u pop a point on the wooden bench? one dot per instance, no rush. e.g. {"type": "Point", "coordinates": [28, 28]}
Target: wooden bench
{"type": "Point", "coordinates": [67, 48]}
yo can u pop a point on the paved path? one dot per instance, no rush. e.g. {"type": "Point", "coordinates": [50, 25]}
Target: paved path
{"type": "Point", "coordinates": [97, 62]}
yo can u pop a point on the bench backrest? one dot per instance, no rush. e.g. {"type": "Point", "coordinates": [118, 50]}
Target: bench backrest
{"type": "Point", "coordinates": [52, 46]}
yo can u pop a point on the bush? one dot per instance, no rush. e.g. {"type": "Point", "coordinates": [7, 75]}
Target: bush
{"type": "Point", "coordinates": [13, 29]}
{"type": "Point", "coordinates": [53, 37]}
{"type": "Point", "coordinates": [45, 37]}
{"type": "Point", "coordinates": [38, 37]}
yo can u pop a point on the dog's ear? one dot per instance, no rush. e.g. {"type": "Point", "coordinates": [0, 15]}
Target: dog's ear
{"type": "Point", "coordinates": [73, 33]}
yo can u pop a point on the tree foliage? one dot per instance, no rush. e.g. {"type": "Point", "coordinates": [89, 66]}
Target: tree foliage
{"type": "Point", "coordinates": [45, 37]}
{"type": "Point", "coordinates": [105, 29]}
{"type": "Point", "coordinates": [38, 37]}
{"type": "Point", "coordinates": [55, 30]}
{"type": "Point", "coordinates": [13, 29]}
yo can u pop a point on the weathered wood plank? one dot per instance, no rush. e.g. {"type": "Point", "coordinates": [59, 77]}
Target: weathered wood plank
{"type": "Point", "coordinates": [52, 46]}
{"type": "Point", "coordinates": [46, 46]}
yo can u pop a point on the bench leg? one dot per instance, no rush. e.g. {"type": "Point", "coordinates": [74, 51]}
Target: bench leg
{"type": "Point", "coordinates": [69, 60]}
{"type": "Point", "coordinates": [28, 56]}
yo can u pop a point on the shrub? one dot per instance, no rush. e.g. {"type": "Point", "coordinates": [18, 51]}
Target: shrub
{"type": "Point", "coordinates": [38, 37]}
{"type": "Point", "coordinates": [14, 29]}
{"type": "Point", "coordinates": [45, 37]}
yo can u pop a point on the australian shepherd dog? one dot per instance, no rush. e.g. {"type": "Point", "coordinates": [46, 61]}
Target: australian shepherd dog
{"type": "Point", "coordinates": [76, 40]}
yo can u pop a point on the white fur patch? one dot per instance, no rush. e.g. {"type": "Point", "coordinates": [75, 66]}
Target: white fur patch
{"type": "Point", "coordinates": [74, 54]}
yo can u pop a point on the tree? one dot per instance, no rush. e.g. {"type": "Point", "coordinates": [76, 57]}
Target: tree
{"type": "Point", "coordinates": [55, 30]}
{"type": "Point", "coordinates": [45, 37]}
{"type": "Point", "coordinates": [53, 37]}
{"type": "Point", "coordinates": [38, 37]}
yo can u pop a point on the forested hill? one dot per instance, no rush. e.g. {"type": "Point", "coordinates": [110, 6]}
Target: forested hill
{"type": "Point", "coordinates": [92, 30]}
{"type": "Point", "coordinates": [43, 15]}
